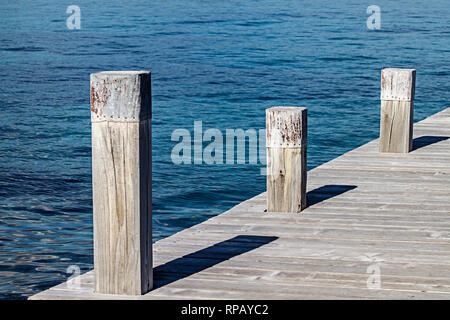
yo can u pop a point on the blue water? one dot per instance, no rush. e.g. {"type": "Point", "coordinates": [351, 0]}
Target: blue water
{"type": "Point", "coordinates": [222, 62]}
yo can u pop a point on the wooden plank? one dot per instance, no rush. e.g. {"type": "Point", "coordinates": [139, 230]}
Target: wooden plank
{"type": "Point", "coordinates": [420, 272]}
{"type": "Point", "coordinates": [210, 286]}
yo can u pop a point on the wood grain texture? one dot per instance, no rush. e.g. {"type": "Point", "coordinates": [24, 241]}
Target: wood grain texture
{"type": "Point", "coordinates": [396, 126]}
{"type": "Point", "coordinates": [397, 110]}
{"type": "Point", "coordinates": [395, 216]}
{"type": "Point", "coordinates": [121, 178]}
{"type": "Point", "coordinates": [286, 179]}
{"type": "Point", "coordinates": [121, 175]}
{"type": "Point", "coordinates": [286, 141]}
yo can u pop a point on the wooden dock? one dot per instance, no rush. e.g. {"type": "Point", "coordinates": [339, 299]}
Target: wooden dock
{"type": "Point", "coordinates": [368, 213]}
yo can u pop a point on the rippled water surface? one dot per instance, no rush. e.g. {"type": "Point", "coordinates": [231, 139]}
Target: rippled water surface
{"type": "Point", "coordinates": [222, 62]}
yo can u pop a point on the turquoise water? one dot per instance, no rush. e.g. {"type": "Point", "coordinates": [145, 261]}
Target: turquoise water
{"type": "Point", "coordinates": [221, 62]}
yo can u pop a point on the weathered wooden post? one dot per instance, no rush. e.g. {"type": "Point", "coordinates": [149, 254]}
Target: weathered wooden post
{"type": "Point", "coordinates": [121, 181]}
{"type": "Point", "coordinates": [397, 110]}
{"type": "Point", "coordinates": [286, 139]}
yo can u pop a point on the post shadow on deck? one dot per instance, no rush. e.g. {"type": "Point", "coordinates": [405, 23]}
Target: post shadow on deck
{"type": "Point", "coordinates": [424, 141]}
{"type": "Point", "coordinates": [326, 192]}
{"type": "Point", "coordinates": [205, 258]}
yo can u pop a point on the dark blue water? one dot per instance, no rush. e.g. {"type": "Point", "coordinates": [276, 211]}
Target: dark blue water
{"type": "Point", "coordinates": [222, 62]}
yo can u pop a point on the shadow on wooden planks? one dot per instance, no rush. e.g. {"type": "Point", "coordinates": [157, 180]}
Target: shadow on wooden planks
{"type": "Point", "coordinates": [326, 192]}
{"type": "Point", "coordinates": [205, 258]}
{"type": "Point", "coordinates": [424, 141]}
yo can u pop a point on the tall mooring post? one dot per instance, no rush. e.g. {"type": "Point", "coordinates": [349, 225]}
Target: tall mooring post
{"type": "Point", "coordinates": [121, 109]}
{"type": "Point", "coordinates": [286, 140]}
{"type": "Point", "coordinates": [397, 110]}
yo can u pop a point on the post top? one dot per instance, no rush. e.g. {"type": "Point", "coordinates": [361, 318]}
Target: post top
{"type": "Point", "coordinates": [120, 73]}
{"type": "Point", "coordinates": [398, 84]}
{"type": "Point", "coordinates": [398, 70]}
{"type": "Point", "coordinates": [286, 108]}
{"type": "Point", "coordinates": [286, 127]}
{"type": "Point", "coordinates": [121, 96]}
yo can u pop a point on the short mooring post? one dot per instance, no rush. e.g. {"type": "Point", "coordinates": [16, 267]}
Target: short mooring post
{"type": "Point", "coordinates": [121, 181]}
{"type": "Point", "coordinates": [286, 138]}
{"type": "Point", "coordinates": [397, 110]}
